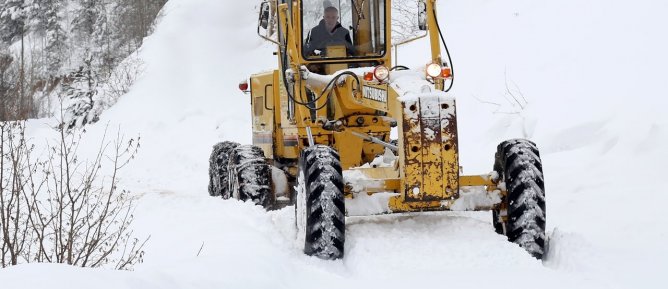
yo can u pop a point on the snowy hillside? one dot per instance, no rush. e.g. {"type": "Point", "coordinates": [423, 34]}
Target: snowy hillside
{"type": "Point", "coordinates": [588, 77]}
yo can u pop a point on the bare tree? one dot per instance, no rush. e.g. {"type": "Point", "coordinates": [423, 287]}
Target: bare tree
{"type": "Point", "coordinates": [61, 209]}
{"type": "Point", "coordinates": [14, 161]}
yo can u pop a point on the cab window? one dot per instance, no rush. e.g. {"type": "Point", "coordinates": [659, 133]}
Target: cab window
{"type": "Point", "coordinates": [339, 29]}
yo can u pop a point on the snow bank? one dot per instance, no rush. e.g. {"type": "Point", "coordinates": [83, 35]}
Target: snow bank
{"type": "Point", "coordinates": [585, 85]}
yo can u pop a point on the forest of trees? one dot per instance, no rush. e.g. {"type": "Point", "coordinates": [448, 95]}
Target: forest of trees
{"type": "Point", "coordinates": [67, 50]}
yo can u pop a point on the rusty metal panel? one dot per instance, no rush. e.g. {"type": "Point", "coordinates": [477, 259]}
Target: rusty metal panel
{"type": "Point", "coordinates": [412, 134]}
{"type": "Point", "coordinates": [450, 147]}
{"type": "Point", "coordinates": [431, 163]}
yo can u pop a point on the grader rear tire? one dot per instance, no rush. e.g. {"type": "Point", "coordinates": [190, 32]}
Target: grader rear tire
{"type": "Point", "coordinates": [519, 166]}
{"type": "Point", "coordinates": [250, 176]}
{"type": "Point", "coordinates": [218, 174]}
{"type": "Point", "coordinates": [320, 206]}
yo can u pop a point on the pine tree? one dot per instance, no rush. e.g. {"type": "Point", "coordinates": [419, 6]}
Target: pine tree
{"type": "Point", "coordinates": [39, 17]}
{"type": "Point", "coordinates": [123, 25]}
{"type": "Point", "coordinates": [66, 34]}
{"type": "Point", "coordinates": [134, 21]}
{"type": "Point", "coordinates": [83, 24]}
{"type": "Point", "coordinates": [56, 37]}
{"type": "Point", "coordinates": [6, 86]}
{"type": "Point", "coordinates": [12, 20]}
{"type": "Point", "coordinates": [14, 16]}
{"type": "Point", "coordinates": [103, 42]}
{"type": "Point", "coordinates": [80, 92]}
{"type": "Point", "coordinates": [46, 22]}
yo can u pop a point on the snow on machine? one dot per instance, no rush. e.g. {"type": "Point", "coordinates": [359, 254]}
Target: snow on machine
{"type": "Point", "coordinates": [337, 121]}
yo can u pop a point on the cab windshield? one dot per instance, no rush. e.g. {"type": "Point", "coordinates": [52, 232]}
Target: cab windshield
{"type": "Point", "coordinates": [340, 29]}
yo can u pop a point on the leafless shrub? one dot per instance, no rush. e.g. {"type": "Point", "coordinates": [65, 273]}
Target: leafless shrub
{"type": "Point", "coordinates": [14, 211]}
{"type": "Point", "coordinates": [122, 78]}
{"type": "Point", "coordinates": [515, 102]}
{"type": "Point", "coordinates": [60, 209]}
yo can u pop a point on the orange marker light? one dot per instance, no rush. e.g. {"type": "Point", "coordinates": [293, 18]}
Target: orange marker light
{"type": "Point", "coordinates": [368, 76]}
{"type": "Point", "coordinates": [446, 72]}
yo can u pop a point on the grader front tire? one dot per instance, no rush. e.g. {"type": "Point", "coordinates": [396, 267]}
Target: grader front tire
{"type": "Point", "coordinates": [320, 206]}
{"type": "Point", "coordinates": [522, 217]}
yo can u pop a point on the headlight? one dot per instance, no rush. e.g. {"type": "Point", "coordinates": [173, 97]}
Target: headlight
{"type": "Point", "coordinates": [381, 73]}
{"type": "Point", "coordinates": [434, 70]}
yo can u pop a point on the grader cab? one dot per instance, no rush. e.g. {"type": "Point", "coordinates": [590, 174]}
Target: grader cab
{"type": "Point", "coordinates": [333, 107]}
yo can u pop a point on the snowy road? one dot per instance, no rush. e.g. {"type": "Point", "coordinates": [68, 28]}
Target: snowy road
{"type": "Point", "coordinates": [602, 138]}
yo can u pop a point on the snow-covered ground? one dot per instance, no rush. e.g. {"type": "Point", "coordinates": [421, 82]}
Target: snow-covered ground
{"type": "Point", "coordinates": [592, 73]}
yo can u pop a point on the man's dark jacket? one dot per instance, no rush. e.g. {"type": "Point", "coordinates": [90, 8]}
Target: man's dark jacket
{"type": "Point", "coordinates": [319, 38]}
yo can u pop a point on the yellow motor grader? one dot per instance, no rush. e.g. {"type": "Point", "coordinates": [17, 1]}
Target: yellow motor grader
{"type": "Point", "coordinates": [333, 107]}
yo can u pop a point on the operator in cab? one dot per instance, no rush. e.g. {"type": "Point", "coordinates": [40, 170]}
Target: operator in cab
{"type": "Point", "coordinates": [328, 32]}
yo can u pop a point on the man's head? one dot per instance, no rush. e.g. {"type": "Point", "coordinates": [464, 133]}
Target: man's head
{"type": "Point", "coordinates": [331, 17]}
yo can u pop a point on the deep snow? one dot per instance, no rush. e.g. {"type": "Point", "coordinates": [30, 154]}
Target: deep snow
{"type": "Point", "coordinates": [592, 73]}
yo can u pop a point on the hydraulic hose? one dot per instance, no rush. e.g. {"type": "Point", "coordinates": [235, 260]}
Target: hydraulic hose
{"type": "Point", "coordinates": [447, 51]}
